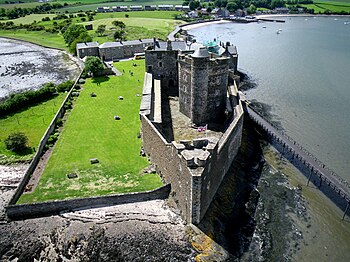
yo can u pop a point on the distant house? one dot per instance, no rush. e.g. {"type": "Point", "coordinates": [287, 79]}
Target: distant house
{"type": "Point", "coordinates": [178, 7]}
{"type": "Point", "coordinates": [87, 49]}
{"type": "Point", "coordinates": [186, 8]}
{"type": "Point", "coordinates": [165, 7]}
{"type": "Point", "coordinates": [88, 27]}
{"type": "Point", "coordinates": [239, 13]}
{"type": "Point", "coordinates": [223, 12]}
{"type": "Point", "coordinates": [124, 8]}
{"type": "Point", "coordinates": [192, 14]}
{"type": "Point", "coordinates": [282, 10]}
{"type": "Point", "coordinates": [116, 9]}
{"type": "Point", "coordinates": [100, 9]}
{"type": "Point", "coordinates": [136, 8]}
{"type": "Point", "coordinates": [150, 7]}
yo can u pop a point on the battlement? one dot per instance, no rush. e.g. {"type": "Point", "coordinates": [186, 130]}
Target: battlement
{"type": "Point", "coordinates": [194, 167]}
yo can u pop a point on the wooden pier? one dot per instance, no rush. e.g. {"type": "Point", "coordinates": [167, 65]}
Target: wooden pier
{"type": "Point", "coordinates": [313, 165]}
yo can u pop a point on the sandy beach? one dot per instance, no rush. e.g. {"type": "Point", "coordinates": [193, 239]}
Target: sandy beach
{"type": "Point", "coordinates": [193, 26]}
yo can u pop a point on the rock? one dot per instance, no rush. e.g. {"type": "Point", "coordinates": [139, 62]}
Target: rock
{"type": "Point", "coordinates": [94, 161]}
{"type": "Point", "coordinates": [72, 175]}
{"type": "Point", "coordinates": [117, 117]}
{"type": "Point", "coordinates": [120, 98]}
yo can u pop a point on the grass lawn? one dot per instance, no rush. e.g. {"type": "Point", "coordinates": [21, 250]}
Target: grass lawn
{"type": "Point", "coordinates": [33, 122]}
{"type": "Point", "coordinates": [32, 4]}
{"type": "Point", "coordinates": [92, 132]}
{"type": "Point", "coordinates": [334, 6]}
{"type": "Point", "coordinates": [136, 28]}
{"type": "Point", "coordinates": [28, 19]}
{"type": "Point", "coordinates": [36, 37]}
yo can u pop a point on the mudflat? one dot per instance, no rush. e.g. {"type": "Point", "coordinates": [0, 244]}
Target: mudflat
{"type": "Point", "coordinates": [25, 66]}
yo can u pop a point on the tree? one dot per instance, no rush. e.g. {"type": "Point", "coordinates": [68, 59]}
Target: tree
{"type": "Point", "coordinates": [119, 24]}
{"type": "Point", "coordinates": [194, 5]}
{"type": "Point", "coordinates": [101, 30]}
{"type": "Point", "coordinates": [16, 142]}
{"type": "Point", "coordinates": [119, 35]}
{"type": "Point", "coordinates": [82, 38]}
{"type": "Point", "coordinates": [93, 65]}
{"type": "Point", "coordinates": [72, 32]}
{"type": "Point", "coordinates": [126, 16]}
{"type": "Point", "coordinates": [251, 9]}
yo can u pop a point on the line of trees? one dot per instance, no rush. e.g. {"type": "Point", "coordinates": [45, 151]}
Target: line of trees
{"type": "Point", "coordinates": [233, 5]}
{"type": "Point", "coordinates": [18, 101]}
{"type": "Point", "coordinates": [19, 11]}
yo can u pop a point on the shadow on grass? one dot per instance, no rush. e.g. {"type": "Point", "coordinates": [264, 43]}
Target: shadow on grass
{"type": "Point", "coordinates": [100, 79]}
{"type": "Point", "coordinates": [25, 151]}
{"type": "Point", "coordinates": [27, 106]}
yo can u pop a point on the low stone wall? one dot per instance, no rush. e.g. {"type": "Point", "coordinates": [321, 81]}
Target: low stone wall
{"type": "Point", "coordinates": [24, 211]}
{"type": "Point", "coordinates": [40, 149]}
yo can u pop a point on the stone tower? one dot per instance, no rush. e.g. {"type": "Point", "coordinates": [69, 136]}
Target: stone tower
{"type": "Point", "coordinates": [203, 81]}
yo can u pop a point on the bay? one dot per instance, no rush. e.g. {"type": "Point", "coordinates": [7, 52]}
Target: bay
{"type": "Point", "coordinates": [303, 73]}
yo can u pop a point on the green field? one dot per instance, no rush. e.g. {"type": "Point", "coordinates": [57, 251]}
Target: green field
{"type": "Point", "coordinates": [36, 37]}
{"type": "Point", "coordinates": [19, 5]}
{"type": "Point", "coordinates": [139, 25]}
{"type": "Point", "coordinates": [92, 7]}
{"type": "Point", "coordinates": [28, 19]}
{"type": "Point", "coordinates": [92, 132]}
{"type": "Point", "coordinates": [135, 28]}
{"type": "Point", "coordinates": [321, 7]}
{"type": "Point", "coordinates": [33, 122]}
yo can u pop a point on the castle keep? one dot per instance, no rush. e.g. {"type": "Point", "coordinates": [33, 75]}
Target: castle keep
{"type": "Point", "coordinates": [203, 86]}
{"type": "Point", "coordinates": [189, 85]}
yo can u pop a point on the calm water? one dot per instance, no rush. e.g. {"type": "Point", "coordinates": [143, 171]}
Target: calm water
{"type": "Point", "coordinates": [304, 74]}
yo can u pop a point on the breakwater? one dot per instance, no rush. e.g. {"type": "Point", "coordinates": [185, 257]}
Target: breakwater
{"type": "Point", "coordinates": [336, 188]}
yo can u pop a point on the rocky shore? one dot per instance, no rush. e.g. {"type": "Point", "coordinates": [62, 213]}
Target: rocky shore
{"type": "Point", "coordinates": [25, 66]}
{"type": "Point", "coordinates": [146, 231]}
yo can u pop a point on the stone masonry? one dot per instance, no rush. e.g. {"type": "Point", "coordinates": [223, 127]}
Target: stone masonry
{"type": "Point", "coordinates": [203, 84]}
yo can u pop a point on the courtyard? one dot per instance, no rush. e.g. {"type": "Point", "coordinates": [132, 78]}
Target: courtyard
{"type": "Point", "coordinates": [92, 132]}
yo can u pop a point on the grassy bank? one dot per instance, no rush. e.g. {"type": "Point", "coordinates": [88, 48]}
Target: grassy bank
{"type": "Point", "coordinates": [32, 121]}
{"type": "Point", "coordinates": [92, 132]}
{"type": "Point", "coordinates": [324, 7]}
{"type": "Point", "coordinates": [36, 37]}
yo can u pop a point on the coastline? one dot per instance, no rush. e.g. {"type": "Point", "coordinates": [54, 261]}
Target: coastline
{"type": "Point", "coordinates": [201, 24]}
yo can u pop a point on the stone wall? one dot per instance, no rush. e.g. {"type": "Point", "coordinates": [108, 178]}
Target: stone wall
{"type": "Point", "coordinates": [90, 51]}
{"type": "Point", "coordinates": [221, 160]}
{"type": "Point", "coordinates": [172, 168]}
{"type": "Point", "coordinates": [194, 176]}
{"type": "Point", "coordinates": [111, 53]}
{"type": "Point", "coordinates": [118, 52]}
{"type": "Point", "coordinates": [202, 88]}
{"type": "Point", "coordinates": [165, 64]}
{"type": "Point", "coordinates": [41, 146]}
{"type": "Point", "coordinates": [55, 207]}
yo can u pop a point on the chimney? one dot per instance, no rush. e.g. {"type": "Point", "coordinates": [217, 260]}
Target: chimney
{"type": "Point", "coordinates": [169, 46]}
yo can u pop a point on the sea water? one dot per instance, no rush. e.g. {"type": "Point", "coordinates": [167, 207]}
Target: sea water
{"type": "Point", "coordinates": [302, 70]}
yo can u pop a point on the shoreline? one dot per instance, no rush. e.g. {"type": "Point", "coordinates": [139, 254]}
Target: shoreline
{"type": "Point", "coordinates": [190, 26]}
{"type": "Point", "coordinates": [187, 27]}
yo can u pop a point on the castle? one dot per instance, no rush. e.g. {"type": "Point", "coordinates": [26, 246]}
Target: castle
{"type": "Point", "coordinates": [192, 119]}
